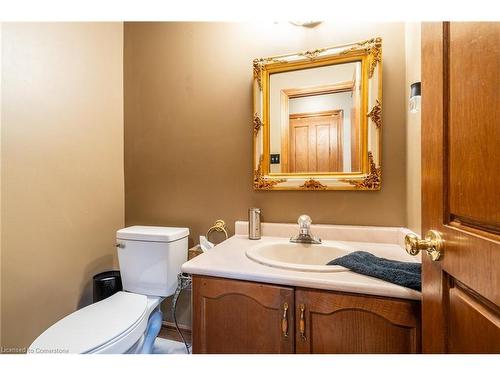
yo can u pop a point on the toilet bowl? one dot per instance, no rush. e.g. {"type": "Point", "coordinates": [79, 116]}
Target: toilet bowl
{"type": "Point", "coordinates": [127, 322]}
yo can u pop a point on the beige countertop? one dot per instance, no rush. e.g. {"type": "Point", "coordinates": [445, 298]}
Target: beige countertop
{"type": "Point", "coordinates": [229, 260]}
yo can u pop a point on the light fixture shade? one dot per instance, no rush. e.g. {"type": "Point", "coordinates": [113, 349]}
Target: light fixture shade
{"type": "Point", "coordinates": [309, 24]}
{"type": "Point", "coordinates": [415, 94]}
{"type": "Point", "coordinates": [415, 89]}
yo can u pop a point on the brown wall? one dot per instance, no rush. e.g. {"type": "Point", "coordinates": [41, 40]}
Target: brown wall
{"type": "Point", "coordinates": [188, 129]}
{"type": "Point", "coordinates": [62, 169]}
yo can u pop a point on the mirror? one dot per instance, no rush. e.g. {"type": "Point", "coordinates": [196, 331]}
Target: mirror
{"type": "Point", "coordinates": [317, 119]}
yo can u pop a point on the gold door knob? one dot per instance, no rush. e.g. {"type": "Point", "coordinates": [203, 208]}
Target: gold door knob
{"type": "Point", "coordinates": [432, 244]}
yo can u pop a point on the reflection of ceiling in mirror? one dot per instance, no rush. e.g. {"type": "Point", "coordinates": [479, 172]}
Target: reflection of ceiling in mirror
{"type": "Point", "coordinates": [325, 75]}
{"type": "Point", "coordinates": [318, 103]}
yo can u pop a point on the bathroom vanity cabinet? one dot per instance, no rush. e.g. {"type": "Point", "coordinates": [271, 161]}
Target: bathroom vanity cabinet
{"type": "Point", "coordinates": [233, 316]}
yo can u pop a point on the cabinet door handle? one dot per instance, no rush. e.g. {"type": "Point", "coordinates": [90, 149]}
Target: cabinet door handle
{"type": "Point", "coordinates": [284, 320]}
{"type": "Point", "coordinates": [302, 322]}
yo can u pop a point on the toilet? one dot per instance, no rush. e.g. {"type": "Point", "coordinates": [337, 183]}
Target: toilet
{"type": "Point", "coordinates": [129, 321]}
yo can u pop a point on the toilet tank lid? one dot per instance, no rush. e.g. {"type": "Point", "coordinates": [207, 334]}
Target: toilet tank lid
{"type": "Point", "coordinates": [149, 233]}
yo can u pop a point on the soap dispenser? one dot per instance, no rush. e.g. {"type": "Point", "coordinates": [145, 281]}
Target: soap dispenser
{"type": "Point", "coordinates": [254, 223]}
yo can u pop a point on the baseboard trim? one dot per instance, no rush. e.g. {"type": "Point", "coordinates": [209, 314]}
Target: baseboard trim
{"type": "Point", "coordinates": [168, 331]}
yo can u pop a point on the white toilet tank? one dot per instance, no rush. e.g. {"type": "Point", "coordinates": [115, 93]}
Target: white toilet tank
{"type": "Point", "coordinates": [150, 258]}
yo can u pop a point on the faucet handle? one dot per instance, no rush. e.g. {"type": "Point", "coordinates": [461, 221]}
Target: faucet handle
{"type": "Point", "coordinates": [304, 221]}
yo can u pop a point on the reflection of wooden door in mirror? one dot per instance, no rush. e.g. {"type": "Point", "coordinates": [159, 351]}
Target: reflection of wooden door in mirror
{"type": "Point", "coordinates": [316, 142]}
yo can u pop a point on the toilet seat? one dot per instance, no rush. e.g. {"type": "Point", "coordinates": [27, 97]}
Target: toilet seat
{"type": "Point", "coordinates": [112, 325]}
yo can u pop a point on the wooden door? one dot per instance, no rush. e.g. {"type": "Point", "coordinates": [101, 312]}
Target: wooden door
{"type": "Point", "coordinates": [334, 322]}
{"type": "Point", "coordinates": [232, 316]}
{"type": "Point", "coordinates": [460, 186]}
{"type": "Point", "coordinates": [316, 142]}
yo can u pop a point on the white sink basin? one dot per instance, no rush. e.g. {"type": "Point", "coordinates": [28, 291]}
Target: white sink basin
{"type": "Point", "coordinates": [297, 256]}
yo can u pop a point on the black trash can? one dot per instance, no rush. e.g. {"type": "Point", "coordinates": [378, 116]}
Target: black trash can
{"type": "Point", "coordinates": [106, 284]}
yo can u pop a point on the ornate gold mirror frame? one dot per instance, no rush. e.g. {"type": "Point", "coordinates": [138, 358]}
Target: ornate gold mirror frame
{"type": "Point", "coordinates": [369, 53]}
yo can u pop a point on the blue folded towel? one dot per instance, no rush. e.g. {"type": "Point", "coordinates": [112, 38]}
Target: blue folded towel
{"type": "Point", "coordinates": [402, 273]}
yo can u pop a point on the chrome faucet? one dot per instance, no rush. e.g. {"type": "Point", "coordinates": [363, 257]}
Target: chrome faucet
{"type": "Point", "coordinates": [305, 235]}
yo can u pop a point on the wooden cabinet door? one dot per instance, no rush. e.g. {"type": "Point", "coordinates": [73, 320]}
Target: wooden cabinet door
{"type": "Point", "coordinates": [334, 322]}
{"type": "Point", "coordinates": [460, 186]}
{"type": "Point", "coordinates": [232, 316]}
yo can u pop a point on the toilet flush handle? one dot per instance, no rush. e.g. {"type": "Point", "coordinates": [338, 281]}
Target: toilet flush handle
{"type": "Point", "coordinates": [120, 245]}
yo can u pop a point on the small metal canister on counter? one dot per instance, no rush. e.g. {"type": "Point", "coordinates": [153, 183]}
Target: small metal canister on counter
{"type": "Point", "coordinates": [254, 223]}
